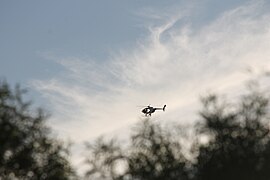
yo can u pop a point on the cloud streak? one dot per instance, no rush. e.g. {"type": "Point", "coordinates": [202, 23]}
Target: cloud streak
{"type": "Point", "coordinates": [103, 96]}
{"type": "Point", "coordinates": [175, 64]}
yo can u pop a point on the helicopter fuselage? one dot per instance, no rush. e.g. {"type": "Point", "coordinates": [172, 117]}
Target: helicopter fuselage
{"type": "Point", "coordinates": [149, 110]}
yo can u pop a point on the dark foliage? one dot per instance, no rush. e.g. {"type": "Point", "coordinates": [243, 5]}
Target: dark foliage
{"type": "Point", "coordinates": [26, 149]}
{"type": "Point", "coordinates": [104, 156]}
{"type": "Point", "coordinates": [152, 155]}
{"type": "Point", "coordinates": [236, 146]}
{"type": "Point", "coordinates": [155, 155]}
{"type": "Point", "coordinates": [239, 140]}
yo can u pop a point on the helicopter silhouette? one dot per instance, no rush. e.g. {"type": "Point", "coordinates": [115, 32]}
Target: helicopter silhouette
{"type": "Point", "coordinates": [149, 110]}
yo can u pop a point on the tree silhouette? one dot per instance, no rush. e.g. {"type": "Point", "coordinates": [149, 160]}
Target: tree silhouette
{"type": "Point", "coordinates": [26, 149]}
{"type": "Point", "coordinates": [155, 155]}
{"type": "Point", "coordinates": [236, 146]}
{"type": "Point", "coordinates": [239, 140]}
{"type": "Point", "coordinates": [152, 155]}
{"type": "Point", "coordinates": [102, 160]}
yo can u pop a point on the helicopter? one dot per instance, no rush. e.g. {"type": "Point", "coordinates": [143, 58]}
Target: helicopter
{"type": "Point", "coordinates": [148, 110]}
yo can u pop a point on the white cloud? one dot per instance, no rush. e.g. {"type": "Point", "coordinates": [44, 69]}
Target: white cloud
{"type": "Point", "coordinates": [174, 65]}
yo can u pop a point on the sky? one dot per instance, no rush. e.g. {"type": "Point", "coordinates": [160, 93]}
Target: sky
{"type": "Point", "coordinates": [92, 63]}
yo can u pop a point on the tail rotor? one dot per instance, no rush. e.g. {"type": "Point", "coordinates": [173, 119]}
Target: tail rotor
{"type": "Point", "coordinates": [164, 107]}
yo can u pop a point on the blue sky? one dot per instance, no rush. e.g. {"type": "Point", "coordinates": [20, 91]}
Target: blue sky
{"type": "Point", "coordinates": [69, 28]}
{"type": "Point", "coordinates": [91, 63]}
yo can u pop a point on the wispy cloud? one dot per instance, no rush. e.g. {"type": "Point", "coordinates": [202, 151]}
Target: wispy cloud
{"type": "Point", "coordinates": [102, 96]}
{"type": "Point", "coordinates": [174, 65]}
